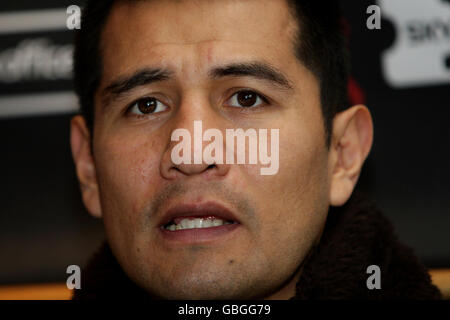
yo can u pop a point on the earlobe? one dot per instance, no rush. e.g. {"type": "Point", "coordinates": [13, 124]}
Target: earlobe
{"type": "Point", "coordinates": [80, 142]}
{"type": "Point", "coordinates": [351, 143]}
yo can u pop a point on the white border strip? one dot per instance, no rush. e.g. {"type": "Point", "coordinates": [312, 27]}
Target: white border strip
{"type": "Point", "coordinates": [32, 21]}
{"type": "Point", "coordinates": [38, 104]}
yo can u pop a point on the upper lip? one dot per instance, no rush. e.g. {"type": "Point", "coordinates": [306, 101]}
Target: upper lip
{"type": "Point", "coordinates": [197, 210]}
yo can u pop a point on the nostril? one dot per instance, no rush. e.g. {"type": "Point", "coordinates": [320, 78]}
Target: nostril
{"type": "Point", "coordinates": [211, 166]}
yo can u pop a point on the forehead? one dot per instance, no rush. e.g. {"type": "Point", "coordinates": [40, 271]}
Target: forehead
{"type": "Point", "coordinates": [162, 31]}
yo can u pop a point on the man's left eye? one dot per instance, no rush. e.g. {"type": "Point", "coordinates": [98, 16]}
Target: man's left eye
{"type": "Point", "coordinates": [246, 99]}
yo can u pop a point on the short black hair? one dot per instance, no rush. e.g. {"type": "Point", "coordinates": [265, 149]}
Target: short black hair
{"type": "Point", "coordinates": [320, 45]}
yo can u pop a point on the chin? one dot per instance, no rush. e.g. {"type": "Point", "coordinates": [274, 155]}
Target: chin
{"type": "Point", "coordinates": [193, 288]}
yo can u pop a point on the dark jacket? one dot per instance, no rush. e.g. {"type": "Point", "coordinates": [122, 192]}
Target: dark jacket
{"type": "Point", "coordinates": [356, 236]}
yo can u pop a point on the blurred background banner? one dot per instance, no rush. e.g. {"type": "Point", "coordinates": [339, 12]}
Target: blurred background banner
{"type": "Point", "coordinates": [44, 227]}
{"type": "Point", "coordinates": [403, 69]}
{"type": "Point", "coordinates": [420, 55]}
{"type": "Point", "coordinates": [35, 62]}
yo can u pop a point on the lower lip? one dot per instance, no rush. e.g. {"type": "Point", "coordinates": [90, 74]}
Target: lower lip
{"type": "Point", "coordinates": [198, 235]}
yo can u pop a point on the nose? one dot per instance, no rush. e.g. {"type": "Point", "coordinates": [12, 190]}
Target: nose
{"type": "Point", "coordinates": [195, 169]}
{"type": "Point", "coordinates": [172, 169]}
{"type": "Point", "coordinates": [184, 155]}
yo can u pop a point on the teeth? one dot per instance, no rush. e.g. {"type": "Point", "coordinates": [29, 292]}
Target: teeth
{"type": "Point", "coordinates": [184, 224]}
{"type": "Point", "coordinates": [197, 223]}
{"type": "Point", "coordinates": [207, 223]}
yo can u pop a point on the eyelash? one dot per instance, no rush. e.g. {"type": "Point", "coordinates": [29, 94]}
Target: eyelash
{"type": "Point", "coordinates": [265, 102]}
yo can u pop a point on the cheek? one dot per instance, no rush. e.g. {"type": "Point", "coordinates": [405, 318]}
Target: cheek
{"type": "Point", "coordinates": [303, 165]}
{"type": "Point", "coordinates": [127, 170]}
{"type": "Point", "coordinates": [295, 199]}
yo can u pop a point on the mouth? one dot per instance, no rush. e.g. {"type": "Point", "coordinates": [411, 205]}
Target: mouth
{"type": "Point", "coordinates": [197, 222]}
{"type": "Point", "coordinates": [185, 223]}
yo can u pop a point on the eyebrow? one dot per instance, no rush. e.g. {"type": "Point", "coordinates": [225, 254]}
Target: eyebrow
{"type": "Point", "coordinates": [140, 78]}
{"type": "Point", "coordinates": [146, 76]}
{"type": "Point", "coordinates": [258, 70]}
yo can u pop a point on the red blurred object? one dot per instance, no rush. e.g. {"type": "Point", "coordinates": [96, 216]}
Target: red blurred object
{"type": "Point", "coordinates": [355, 93]}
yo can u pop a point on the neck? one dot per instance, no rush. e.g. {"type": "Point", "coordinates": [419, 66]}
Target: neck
{"type": "Point", "coordinates": [289, 288]}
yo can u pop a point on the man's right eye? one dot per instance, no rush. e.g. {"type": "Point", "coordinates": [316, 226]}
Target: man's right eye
{"type": "Point", "coordinates": [146, 106]}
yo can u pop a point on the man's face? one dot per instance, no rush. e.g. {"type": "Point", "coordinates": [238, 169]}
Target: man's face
{"type": "Point", "coordinates": [277, 218]}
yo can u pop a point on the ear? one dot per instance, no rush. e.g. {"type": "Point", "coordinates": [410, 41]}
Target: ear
{"type": "Point", "coordinates": [80, 141]}
{"type": "Point", "coordinates": [351, 142]}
